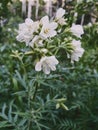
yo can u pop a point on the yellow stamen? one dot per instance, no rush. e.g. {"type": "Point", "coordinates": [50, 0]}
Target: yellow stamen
{"type": "Point", "coordinates": [46, 30]}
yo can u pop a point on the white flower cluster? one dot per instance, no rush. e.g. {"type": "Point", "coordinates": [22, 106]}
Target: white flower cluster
{"type": "Point", "coordinates": [77, 51]}
{"type": "Point", "coordinates": [37, 34]}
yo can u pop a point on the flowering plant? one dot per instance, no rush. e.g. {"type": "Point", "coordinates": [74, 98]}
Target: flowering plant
{"type": "Point", "coordinates": [48, 38]}
{"type": "Point", "coordinates": [33, 97]}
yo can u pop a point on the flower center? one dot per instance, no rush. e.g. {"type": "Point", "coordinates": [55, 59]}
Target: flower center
{"type": "Point", "coordinates": [46, 30]}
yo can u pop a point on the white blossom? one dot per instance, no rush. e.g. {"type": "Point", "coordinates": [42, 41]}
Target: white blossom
{"type": "Point", "coordinates": [46, 64]}
{"type": "Point", "coordinates": [60, 16]}
{"type": "Point", "coordinates": [48, 28]}
{"type": "Point", "coordinates": [77, 51]}
{"type": "Point", "coordinates": [77, 30]}
{"type": "Point", "coordinates": [89, 1]}
{"type": "Point", "coordinates": [60, 13]}
{"type": "Point", "coordinates": [79, 1]}
{"type": "Point", "coordinates": [26, 30]}
{"type": "Point", "coordinates": [36, 40]}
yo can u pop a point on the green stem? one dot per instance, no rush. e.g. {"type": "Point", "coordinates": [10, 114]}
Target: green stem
{"type": "Point", "coordinates": [23, 66]}
{"type": "Point", "coordinates": [29, 98]}
{"type": "Point", "coordinates": [29, 94]}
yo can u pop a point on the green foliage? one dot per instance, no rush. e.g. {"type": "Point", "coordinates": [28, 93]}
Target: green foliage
{"type": "Point", "coordinates": [67, 125]}
{"type": "Point", "coordinates": [4, 8]}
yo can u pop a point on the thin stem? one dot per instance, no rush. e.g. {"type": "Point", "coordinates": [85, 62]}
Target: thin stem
{"type": "Point", "coordinates": [29, 100]}
{"type": "Point", "coordinates": [29, 94]}
{"type": "Point", "coordinates": [23, 66]}
{"type": "Point", "coordinates": [30, 90]}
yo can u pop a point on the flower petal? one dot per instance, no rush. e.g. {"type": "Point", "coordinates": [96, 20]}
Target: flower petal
{"type": "Point", "coordinates": [77, 30]}
{"type": "Point", "coordinates": [77, 52]}
{"type": "Point", "coordinates": [60, 13]}
{"type": "Point", "coordinates": [38, 66]}
{"type": "Point", "coordinates": [45, 20]}
{"type": "Point", "coordinates": [52, 33]}
{"type": "Point", "coordinates": [54, 60]}
{"type": "Point", "coordinates": [29, 21]}
{"type": "Point", "coordinates": [53, 25]}
{"type": "Point", "coordinates": [46, 69]}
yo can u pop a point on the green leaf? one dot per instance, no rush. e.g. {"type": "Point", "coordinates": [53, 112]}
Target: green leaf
{"type": "Point", "coordinates": [4, 124]}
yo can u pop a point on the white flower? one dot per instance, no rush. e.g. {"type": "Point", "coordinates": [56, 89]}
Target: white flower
{"type": "Point", "coordinates": [61, 21]}
{"type": "Point", "coordinates": [77, 30]}
{"type": "Point", "coordinates": [77, 52]}
{"type": "Point", "coordinates": [26, 30]}
{"type": "Point", "coordinates": [59, 16]}
{"type": "Point", "coordinates": [35, 26]}
{"type": "Point", "coordinates": [89, 1]}
{"type": "Point", "coordinates": [79, 1]}
{"type": "Point", "coordinates": [36, 40]}
{"type": "Point", "coordinates": [60, 13]}
{"type": "Point", "coordinates": [48, 28]}
{"type": "Point", "coordinates": [46, 64]}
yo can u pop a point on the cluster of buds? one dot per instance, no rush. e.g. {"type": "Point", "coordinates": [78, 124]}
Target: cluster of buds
{"type": "Point", "coordinates": [47, 37]}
